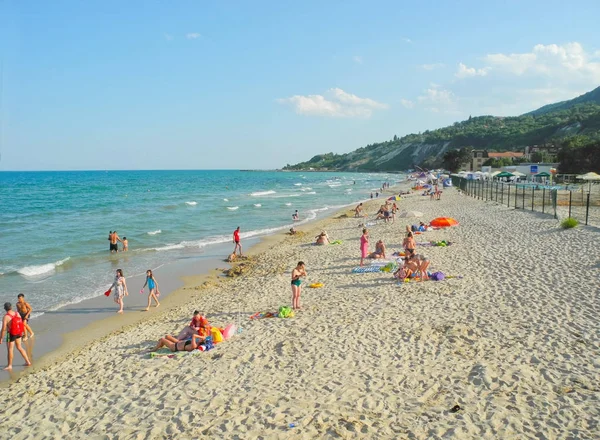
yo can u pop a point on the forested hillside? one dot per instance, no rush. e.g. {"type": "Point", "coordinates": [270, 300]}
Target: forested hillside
{"type": "Point", "coordinates": [568, 119]}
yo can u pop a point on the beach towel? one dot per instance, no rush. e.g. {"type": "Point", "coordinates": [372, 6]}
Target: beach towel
{"type": "Point", "coordinates": [366, 269]}
{"type": "Point", "coordinates": [262, 315]}
{"type": "Point", "coordinates": [336, 242]}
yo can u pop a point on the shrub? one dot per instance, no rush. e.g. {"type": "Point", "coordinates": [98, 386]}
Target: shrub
{"type": "Point", "coordinates": [569, 223]}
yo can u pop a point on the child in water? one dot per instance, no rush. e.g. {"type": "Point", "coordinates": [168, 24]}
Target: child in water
{"type": "Point", "coordinates": [125, 244]}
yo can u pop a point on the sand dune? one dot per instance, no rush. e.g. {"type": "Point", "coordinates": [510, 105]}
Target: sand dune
{"type": "Point", "coordinates": [515, 343]}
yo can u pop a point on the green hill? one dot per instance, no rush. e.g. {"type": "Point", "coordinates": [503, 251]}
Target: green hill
{"type": "Point", "coordinates": [580, 116]}
{"type": "Point", "coordinates": [593, 96]}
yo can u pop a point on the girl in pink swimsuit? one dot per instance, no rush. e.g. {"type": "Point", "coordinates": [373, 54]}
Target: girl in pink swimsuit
{"type": "Point", "coordinates": [364, 245]}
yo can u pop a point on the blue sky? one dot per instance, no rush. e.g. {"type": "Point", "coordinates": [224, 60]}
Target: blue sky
{"type": "Point", "coordinates": [178, 84]}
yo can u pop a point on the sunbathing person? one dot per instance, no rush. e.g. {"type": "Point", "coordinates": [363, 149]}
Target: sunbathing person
{"type": "Point", "coordinates": [412, 264]}
{"type": "Point", "coordinates": [174, 345]}
{"type": "Point", "coordinates": [403, 271]}
{"type": "Point", "coordinates": [379, 250]}
{"type": "Point", "coordinates": [322, 238]}
{"type": "Point", "coordinates": [198, 326]}
{"type": "Point", "coordinates": [423, 265]}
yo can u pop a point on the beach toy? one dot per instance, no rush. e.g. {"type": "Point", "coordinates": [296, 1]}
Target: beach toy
{"type": "Point", "coordinates": [216, 335]}
{"type": "Point", "coordinates": [285, 312]}
{"type": "Point", "coordinates": [315, 285]}
{"type": "Point", "coordinates": [229, 331]}
{"type": "Point", "coordinates": [107, 293]}
{"type": "Point", "coordinates": [142, 291]}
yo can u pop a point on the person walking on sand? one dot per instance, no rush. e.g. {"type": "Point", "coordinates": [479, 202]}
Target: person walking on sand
{"type": "Point", "coordinates": [13, 325]}
{"type": "Point", "coordinates": [24, 310]}
{"type": "Point", "coordinates": [153, 292]}
{"type": "Point", "coordinates": [120, 287]}
{"type": "Point", "coordinates": [236, 240]}
{"type": "Point", "coordinates": [364, 245]}
{"type": "Point", "coordinates": [298, 272]}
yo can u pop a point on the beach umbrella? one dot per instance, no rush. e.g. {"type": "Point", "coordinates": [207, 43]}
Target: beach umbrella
{"type": "Point", "coordinates": [589, 176]}
{"type": "Point", "coordinates": [504, 174]}
{"type": "Point", "coordinates": [518, 174]}
{"type": "Point", "coordinates": [406, 214]}
{"type": "Point", "coordinates": [443, 222]}
{"type": "Point", "coordinates": [543, 174]}
{"type": "Point", "coordinates": [395, 198]}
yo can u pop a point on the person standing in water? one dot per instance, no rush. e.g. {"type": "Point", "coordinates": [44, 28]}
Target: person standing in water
{"type": "Point", "coordinates": [298, 272]}
{"type": "Point", "coordinates": [120, 287]}
{"type": "Point", "coordinates": [13, 325]}
{"type": "Point", "coordinates": [114, 247]}
{"type": "Point", "coordinates": [153, 289]}
{"type": "Point", "coordinates": [236, 240]}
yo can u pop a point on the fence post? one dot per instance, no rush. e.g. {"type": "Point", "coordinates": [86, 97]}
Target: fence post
{"type": "Point", "coordinates": [523, 203]}
{"type": "Point", "coordinates": [516, 195]}
{"type": "Point", "coordinates": [587, 209]}
{"type": "Point", "coordinates": [502, 196]}
{"type": "Point", "coordinates": [508, 204]}
{"type": "Point", "coordinates": [543, 199]}
{"type": "Point", "coordinates": [532, 197]}
{"type": "Point", "coordinates": [570, 196]}
{"type": "Point", "coordinates": [496, 191]}
{"type": "Point", "coordinates": [555, 202]}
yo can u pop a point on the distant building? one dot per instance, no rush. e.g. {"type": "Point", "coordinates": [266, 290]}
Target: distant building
{"type": "Point", "coordinates": [545, 149]}
{"type": "Point", "coordinates": [480, 156]}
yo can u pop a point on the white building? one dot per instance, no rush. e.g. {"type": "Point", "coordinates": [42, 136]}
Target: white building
{"type": "Point", "coordinates": [530, 169]}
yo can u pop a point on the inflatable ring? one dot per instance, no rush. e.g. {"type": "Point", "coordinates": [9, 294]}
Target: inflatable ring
{"type": "Point", "coordinates": [315, 285]}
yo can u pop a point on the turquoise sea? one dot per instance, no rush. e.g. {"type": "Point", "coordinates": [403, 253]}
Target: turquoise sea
{"type": "Point", "coordinates": [54, 225]}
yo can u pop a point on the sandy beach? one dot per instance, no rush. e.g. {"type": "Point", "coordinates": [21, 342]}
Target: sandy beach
{"type": "Point", "coordinates": [515, 343]}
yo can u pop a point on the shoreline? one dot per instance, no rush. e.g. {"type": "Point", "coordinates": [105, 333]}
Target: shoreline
{"type": "Point", "coordinates": [505, 347]}
{"type": "Point", "coordinates": [179, 276]}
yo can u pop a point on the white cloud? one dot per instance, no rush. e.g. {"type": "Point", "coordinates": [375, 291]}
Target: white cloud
{"type": "Point", "coordinates": [567, 62]}
{"type": "Point", "coordinates": [192, 35]}
{"type": "Point", "coordinates": [407, 40]}
{"type": "Point", "coordinates": [357, 59]}
{"type": "Point", "coordinates": [465, 72]}
{"type": "Point", "coordinates": [436, 99]}
{"type": "Point", "coordinates": [337, 104]}
{"type": "Point", "coordinates": [407, 103]}
{"type": "Point", "coordinates": [433, 66]}
{"type": "Point", "coordinates": [168, 37]}
{"type": "Point", "coordinates": [349, 98]}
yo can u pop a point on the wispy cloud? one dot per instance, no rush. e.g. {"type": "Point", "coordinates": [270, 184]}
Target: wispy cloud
{"type": "Point", "coordinates": [335, 103]}
{"type": "Point", "coordinates": [168, 37]}
{"type": "Point", "coordinates": [407, 103]}
{"type": "Point", "coordinates": [192, 35]}
{"type": "Point", "coordinates": [465, 72]}
{"type": "Point", "coordinates": [432, 66]}
{"type": "Point", "coordinates": [436, 99]}
{"type": "Point", "coordinates": [357, 59]}
{"type": "Point", "coordinates": [407, 40]}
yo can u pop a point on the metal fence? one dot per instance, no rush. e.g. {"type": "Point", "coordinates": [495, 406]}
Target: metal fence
{"type": "Point", "coordinates": [581, 202]}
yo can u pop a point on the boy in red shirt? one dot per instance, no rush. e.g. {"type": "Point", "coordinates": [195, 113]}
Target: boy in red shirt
{"type": "Point", "coordinates": [236, 240]}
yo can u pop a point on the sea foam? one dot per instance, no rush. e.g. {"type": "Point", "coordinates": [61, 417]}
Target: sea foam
{"type": "Point", "coordinates": [262, 193]}
{"type": "Point", "coordinates": [42, 269]}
